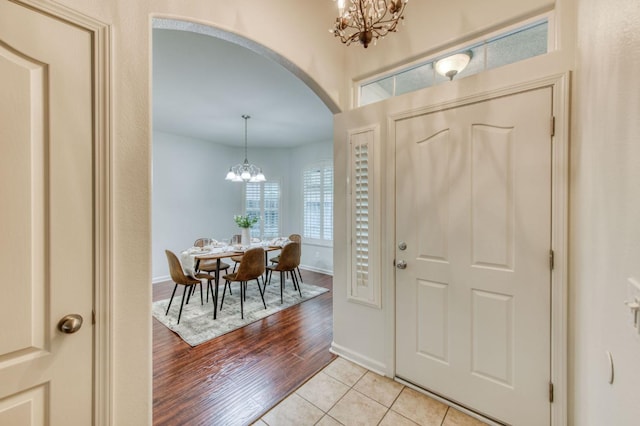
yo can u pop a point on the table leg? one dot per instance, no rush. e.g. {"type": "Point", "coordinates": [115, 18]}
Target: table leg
{"type": "Point", "coordinates": [215, 299]}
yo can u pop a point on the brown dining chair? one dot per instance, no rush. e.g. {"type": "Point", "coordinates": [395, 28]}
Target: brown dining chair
{"type": "Point", "coordinates": [209, 265]}
{"type": "Point", "coordinates": [288, 262]}
{"type": "Point", "coordinates": [297, 238]}
{"type": "Point", "coordinates": [179, 278]}
{"type": "Point", "coordinates": [251, 268]}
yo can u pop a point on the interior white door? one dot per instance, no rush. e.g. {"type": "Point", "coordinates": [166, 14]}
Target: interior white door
{"type": "Point", "coordinates": [47, 219]}
{"type": "Point", "coordinates": [473, 206]}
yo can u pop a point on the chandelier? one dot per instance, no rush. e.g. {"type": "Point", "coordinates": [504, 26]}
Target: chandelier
{"type": "Point", "coordinates": [245, 172]}
{"type": "Point", "coordinates": [367, 20]}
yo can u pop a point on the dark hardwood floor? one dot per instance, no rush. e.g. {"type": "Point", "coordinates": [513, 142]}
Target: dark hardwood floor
{"type": "Point", "coordinates": [236, 378]}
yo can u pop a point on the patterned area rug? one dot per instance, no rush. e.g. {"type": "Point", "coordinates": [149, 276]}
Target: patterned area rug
{"type": "Point", "coordinates": [197, 324]}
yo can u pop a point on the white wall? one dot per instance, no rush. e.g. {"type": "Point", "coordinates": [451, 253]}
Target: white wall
{"type": "Point", "coordinates": [301, 38]}
{"type": "Point", "coordinates": [605, 155]}
{"type": "Point", "coordinates": [191, 199]}
{"type": "Point", "coordinates": [605, 237]}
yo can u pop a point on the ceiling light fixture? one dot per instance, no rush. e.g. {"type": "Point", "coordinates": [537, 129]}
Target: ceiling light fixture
{"type": "Point", "coordinates": [367, 20]}
{"type": "Point", "coordinates": [452, 65]}
{"type": "Point", "coordinates": [245, 172]}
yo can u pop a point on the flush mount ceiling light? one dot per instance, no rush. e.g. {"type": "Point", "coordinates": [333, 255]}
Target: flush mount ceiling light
{"type": "Point", "coordinates": [245, 172]}
{"type": "Point", "coordinates": [367, 20]}
{"type": "Point", "coordinates": [452, 65]}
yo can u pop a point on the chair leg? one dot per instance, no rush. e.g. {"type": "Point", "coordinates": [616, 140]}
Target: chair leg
{"type": "Point", "coordinates": [296, 284]}
{"type": "Point", "coordinates": [189, 293]}
{"type": "Point", "coordinates": [261, 293]}
{"type": "Point", "coordinates": [210, 289]}
{"type": "Point", "coordinates": [291, 275]}
{"type": "Point", "coordinates": [242, 296]}
{"type": "Point", "coordinates": [282, 276]}
{"type": "Point", "coordinates": [226, 283]}
{"type": "Point", "coordinates": [299, 274]}
{"type": "Point", "coordinates": [171, 300]}
{"type": "Point", "coordinates": [182, 303]}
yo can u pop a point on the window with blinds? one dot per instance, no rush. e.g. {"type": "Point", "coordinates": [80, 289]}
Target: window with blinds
{"type": "Point", "coordinates": [364, 286]}
{"type": "Point", "coordinates": [263, 199]}
{"type": "Point", "coordinates": [318, 201]}
{"type": "Point", "coordinates": [360, 214]}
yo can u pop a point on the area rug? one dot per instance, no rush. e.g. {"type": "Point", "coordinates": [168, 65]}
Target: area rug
{"type": "Point", "coordinates": [197, 324]}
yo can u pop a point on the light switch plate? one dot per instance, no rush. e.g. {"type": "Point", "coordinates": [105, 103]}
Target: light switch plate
{"type": "Point", "coordinates": [633, 294]}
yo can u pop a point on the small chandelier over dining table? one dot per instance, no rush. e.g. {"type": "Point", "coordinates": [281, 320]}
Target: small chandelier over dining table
{"type": "Point", "coordinates": [245, 172]}
{"type": "Point", "coordinates": [367, 20]}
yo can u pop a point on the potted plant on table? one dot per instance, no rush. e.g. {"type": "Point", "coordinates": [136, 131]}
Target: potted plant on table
{"type": "Point", "coordinates": [245, 222]}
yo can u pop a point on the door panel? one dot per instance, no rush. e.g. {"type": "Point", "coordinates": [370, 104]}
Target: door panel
{"type": "Point", "coordinates": [473, 204]}
{"type": "Point", "coordinates": [46, 252]}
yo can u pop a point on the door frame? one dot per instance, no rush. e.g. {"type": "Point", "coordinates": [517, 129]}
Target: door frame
{"type": "Point", "coordinates": [560, 87]}
{"type": "Point", "coordinates": [102, 398]}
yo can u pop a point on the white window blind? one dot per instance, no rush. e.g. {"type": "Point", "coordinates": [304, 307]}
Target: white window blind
{"type": "Point", "coordinates": [364, 263]}
{"type": "Point", "coordinates": [360, 214]}
{"type": "Point", "coordinates": [318, 201]}
{"type": "Point", "coordinates": [263, 200]}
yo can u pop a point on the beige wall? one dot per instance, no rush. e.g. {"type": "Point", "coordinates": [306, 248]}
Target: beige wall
{"type": "Point", "coordinates": [434, 26]}
{"type": "Point", "coordinates": [605, 231]}
{"type": "Point", "coordinates": [296, 30]}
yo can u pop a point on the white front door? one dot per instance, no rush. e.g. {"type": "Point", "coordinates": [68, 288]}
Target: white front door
{"type": "Point", "coordinates": [473, 206]}
{"type": "Point", "coordinates": [47, 219]}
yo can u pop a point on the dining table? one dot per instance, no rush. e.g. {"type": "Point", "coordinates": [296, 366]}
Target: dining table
{"type": "Point", "coordinates": [222, 253]}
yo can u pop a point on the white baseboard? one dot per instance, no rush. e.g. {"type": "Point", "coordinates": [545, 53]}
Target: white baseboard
{"type": "Point", "coordinates": [357, 358]}
{"type": "Point", "coordinates": [314, 269]}
{"type": "Point", "coordinates": [157, 280]}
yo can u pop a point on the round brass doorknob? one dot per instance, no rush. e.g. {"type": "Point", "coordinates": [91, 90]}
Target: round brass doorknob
{"type": "Point", "coordinates": [69, 324]}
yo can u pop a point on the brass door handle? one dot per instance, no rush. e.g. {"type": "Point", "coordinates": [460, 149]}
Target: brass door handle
{"type": "Point", "coordinates": [69, 324]}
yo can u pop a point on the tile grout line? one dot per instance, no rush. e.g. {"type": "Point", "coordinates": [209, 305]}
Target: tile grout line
{"type": "Point", "coordinates": [445, 415]}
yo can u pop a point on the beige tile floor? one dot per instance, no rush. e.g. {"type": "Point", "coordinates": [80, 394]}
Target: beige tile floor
{"type": "Point", "coordinates": [344, 393]}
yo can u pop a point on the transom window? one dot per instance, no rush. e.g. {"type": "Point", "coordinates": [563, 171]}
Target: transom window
{"type": "Point", "coordinates": [497, 49]}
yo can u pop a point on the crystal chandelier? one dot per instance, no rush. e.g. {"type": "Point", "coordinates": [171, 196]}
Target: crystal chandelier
{"type": "Point", "coordinates": [245, 172]}
{"type": "Point", "coordinates": [367, 20]}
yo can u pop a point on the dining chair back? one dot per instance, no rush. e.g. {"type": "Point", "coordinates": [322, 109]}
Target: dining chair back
{"type": "Point", "coordinates": [289, 261]}
{"type": "Point", "coordinates": [209, 265]}
{"type": "Point", "coordinates": [251, 268]}
{"type": "Point", "coordinates": [252, 265]}
{"type": "Point", "coordinates": [180, 278]}
{"type": "Point", "coordinates": [201, 242]}
{"type": "Point", "coordinates": [296, 238]}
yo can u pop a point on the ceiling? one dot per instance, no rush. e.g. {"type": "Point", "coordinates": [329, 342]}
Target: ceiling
{"type": "Point", "coordinates": [202, 85]}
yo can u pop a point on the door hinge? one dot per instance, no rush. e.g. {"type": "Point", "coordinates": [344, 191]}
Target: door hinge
{"type": "Point", "coordinates": [550, 392]}
{"type": "Point", "coordinates": [553, 126]}
{"type": "Point", "coordinates": [551, 259]}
